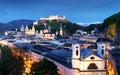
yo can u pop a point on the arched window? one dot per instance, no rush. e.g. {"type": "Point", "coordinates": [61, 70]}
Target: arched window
{"type": "Point", "coordinates": [92, 66]}
{"type": "Point", "coordinates": [50, 35]}
{"type": "Point", "coordinates": [76, 52]}
{"type": "Point", "coordinates": [43, 35]}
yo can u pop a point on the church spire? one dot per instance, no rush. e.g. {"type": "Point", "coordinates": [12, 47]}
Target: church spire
{"type": "Point", "coordinates": [26, 29]}
{"type": "Point", "coordinates": [56, 33]}
{"type": "Point", "coordinates": [22, 28]}
{"type": "Point", "coordinates": [33, 28]}
{"type": "Point", "coordinates": [61, 30]}
{"type": "Point", "coordinates": [49, 28]}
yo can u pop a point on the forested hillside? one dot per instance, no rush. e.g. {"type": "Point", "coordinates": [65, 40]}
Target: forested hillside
{"type": "Point", "coordinates": [111, 26]}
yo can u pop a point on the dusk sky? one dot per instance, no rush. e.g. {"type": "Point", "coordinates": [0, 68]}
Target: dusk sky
{"type": "Point", "coordinates": [74, 10]}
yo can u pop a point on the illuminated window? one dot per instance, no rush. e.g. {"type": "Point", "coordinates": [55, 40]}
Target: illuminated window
{"type": "Point", "coordinates": [50, 35]}
{"type": "Point", "coordinates": [43, 35]}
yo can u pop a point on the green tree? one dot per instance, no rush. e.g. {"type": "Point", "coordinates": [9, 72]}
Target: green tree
{"type": "Point", "coordinates": [44, 67]}
{"type": "Point", "coordinates": [0, 46]}
{"type": "Point", "coordinates": [0, 61]}
{"type": "Point", "coordinates": [18, 66]}
{"type": "Point", "coordinates": [114, 19]}
{"type": "Point", "coordinates": [68, 27]}
{"type": "Point", "coordinates": [6, 60]}
{"type": "Point", "coordinates": [117, 34]}
{"type": "Point", "coordinates": [1, 68]}
{"type": "Point", "coordinates": [10, 64]}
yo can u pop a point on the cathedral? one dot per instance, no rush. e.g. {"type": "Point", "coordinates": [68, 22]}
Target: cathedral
{"type": "Point", "coordinates": [46, 33]}
{"type": "Point", "coordinates": [89, 61]}
{"type": "Point", "coordinates": [30, 31]}
{"type": "Point", "coordinates": [27, 31]}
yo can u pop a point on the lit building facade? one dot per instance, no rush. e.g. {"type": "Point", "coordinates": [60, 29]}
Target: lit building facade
{"type": "Point", "coordinates": [61, 31]}
{"type": "Point", "coordinates": [46, 33]}
{"type": "Point", "coordinates": [50, 18]}
{"type": "Point", "coordinates": [30, 31]}
{"type": "Point", "coordinates": [88, 62]}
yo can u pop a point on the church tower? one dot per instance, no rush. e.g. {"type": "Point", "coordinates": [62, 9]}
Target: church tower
{"type": "Point", "coordinates": [26, 29]}
{"type": "Point", "coordinates": [75, 55]}
{"type": "Point", "coordinates": [41, 32]}
{"type": "Point", "coordinates": [56, 33]}
{"type": "Point", "coordinates": [22, 29]}
{"type": "Point", "coordinates": [101, 49]}
{"type": "Point", "coordinates": [61, 31]}
{"type": "Point", "coordinates": [33, 28]}
{"type": "Point", "coordinates": [49, 28]}
{"type": "Point", "coordinates": [37, 34]}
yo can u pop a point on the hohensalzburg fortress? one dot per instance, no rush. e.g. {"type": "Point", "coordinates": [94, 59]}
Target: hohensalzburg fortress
{"type": "Point", "coordinates": [51, 17]}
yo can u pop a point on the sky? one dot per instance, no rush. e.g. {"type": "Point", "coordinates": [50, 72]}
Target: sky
{"type": "Point", "coordinates": [77, 11]}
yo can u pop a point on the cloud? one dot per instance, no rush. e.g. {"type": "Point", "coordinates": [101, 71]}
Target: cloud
{"type": "Point", "coordinates": [88, 23]}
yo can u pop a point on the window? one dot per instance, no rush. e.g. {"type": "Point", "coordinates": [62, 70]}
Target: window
{"type": "Point", "coordinates": [43, 35]}
{"type": "Point", "coordinates": [77, 47]}
{"type": "Point", "coordinates": [50, 35]}
{"type": "Point", "coordinates": [92, 58]}
{"type": "Point", "coordinates": [102, 52]}
{"type": "Point", "coordinates": [76, 52]}
{"type": "Point", "coordinates": [102, 46]}
{"type": "Point", "coordinates": [92, 66]}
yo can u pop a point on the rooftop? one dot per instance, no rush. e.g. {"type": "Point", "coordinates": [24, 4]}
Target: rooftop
{"type": "Point", "coordinates": [63, 57]}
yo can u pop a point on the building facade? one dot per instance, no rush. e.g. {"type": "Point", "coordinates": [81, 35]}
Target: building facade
{"type": "Point", "coordinates": [45, 34]}
{"type": "Point", "coordinates": [50, 18]}
{"type": "Point", "coordinates": [88, 62]}
{"type": "Point", "coordinates": [30, 31]}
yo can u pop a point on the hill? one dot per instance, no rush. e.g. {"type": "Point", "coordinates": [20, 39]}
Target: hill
{"type": "Point", "coordinates": [111, 26]}
{"type": "Point", "coordinates": [12, 25]}
{"type": "Point", "coordinates": [68, 27]}
{"type": "Point", "coordinates": [91, 27]}
{"type": "Point", "coordinates": [17, 23]}
{"type": "Point", "coordinates": [2, 27]}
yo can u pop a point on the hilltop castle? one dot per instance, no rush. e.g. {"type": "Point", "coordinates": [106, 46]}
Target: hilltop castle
{"type": "Point", "coordinates": [50, 18]}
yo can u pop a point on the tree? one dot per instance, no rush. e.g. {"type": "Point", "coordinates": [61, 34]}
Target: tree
{"type": "Point", "coordinates": [1, 68]}
{"type": "Point", "coordinates": [44, 67]}
{"type": "Point", "coordinates": [11, 64]}
{"type": "Point", "coordinates": [0, 46]}
{"type": "Point", "coordinates": [68, 27]}
{"type": "Point", "coordinates": [114, 19]}
{"type": "Point", "coordinates": [18, 66]}
{"type": "Point", "coordinates": [6, 59]}
{"type": "Point", "coordinates": [117, 34]}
